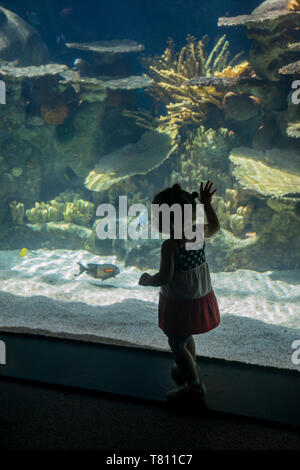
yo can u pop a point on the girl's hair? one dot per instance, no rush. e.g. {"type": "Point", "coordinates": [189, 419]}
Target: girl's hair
{"type": "Point", "coordinates": [174, 195]}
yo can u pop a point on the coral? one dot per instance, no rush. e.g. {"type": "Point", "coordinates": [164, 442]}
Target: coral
{"type": "Point", "coordinates": [293, 130]}
{"type": "Point", "coordinates": [65, 207]}
{"type": "Point", "coordinates": [16, 172]}
{"type": "Point", "coordinates": [237, 224]}
{"type": "Point", "coordinates": [17, 212]}
{"type": "Point", "coordinates": [79, 212]}
{"type": "Point", "coordinates": [273, 26]}
{"type": "Point", "coordinates": [272, 173]}
{"type": "Point", "coordinates": [210, 147]}
{"type": "Point", "coordinates": [187, 104]}
{"type": "Point", "coordinates": [140, 158]}
{"type": "Point", "coordinates": [54, 114]}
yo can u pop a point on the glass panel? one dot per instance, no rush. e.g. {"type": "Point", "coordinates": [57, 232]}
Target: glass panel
{"type": "Point", "coordinates": [106, 104]}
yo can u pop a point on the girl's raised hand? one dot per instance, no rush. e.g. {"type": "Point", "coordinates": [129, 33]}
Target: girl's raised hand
{"type": "Point", "coordinates": [205, 195]}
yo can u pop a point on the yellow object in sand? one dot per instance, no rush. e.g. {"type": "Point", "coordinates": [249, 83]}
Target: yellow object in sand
{"type": "Point", "coordinates": [23, 252]}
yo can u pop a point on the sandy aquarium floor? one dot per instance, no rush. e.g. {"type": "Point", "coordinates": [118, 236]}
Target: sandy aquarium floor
{"type": "Point", "coordinates": [41, 294]}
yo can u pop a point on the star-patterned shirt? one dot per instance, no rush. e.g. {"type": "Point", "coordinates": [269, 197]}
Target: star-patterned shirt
{"type": "Point", "coordinates": [189, 259]}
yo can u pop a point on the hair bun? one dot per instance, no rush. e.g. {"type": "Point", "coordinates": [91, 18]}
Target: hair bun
{"type": "Point", "coordinates": [195, 194]}
{"type": "Point", "coordinates": [176, 187]}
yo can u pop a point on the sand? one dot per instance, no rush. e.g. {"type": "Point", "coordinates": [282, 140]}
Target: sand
{"type": "Point", "coordinates": [41, 294]}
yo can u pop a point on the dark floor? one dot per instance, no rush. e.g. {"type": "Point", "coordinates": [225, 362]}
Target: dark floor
{"type": "Point", "coordinates": [34, 417]}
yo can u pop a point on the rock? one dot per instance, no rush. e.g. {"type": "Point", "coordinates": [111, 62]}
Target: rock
{"type": "Point", "coordinates": [20, 43]}
{"type": "Point", "coordinates": [124, 46]}
{"type": "Point", "coordinates": [291, 69]}
{"type": "Point", "coordinates": [140, 158]}
{"type": "Point", "coordinates": [240, 106]}
{"type": "Point", "coordinates": [273, 27]}
{"type": "Point", "coordinates": [273, 173]}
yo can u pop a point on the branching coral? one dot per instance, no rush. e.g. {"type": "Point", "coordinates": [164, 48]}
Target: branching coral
{"type": "Point", "coordinates": [187, 104]}
{"type": "Point", "coordinates": [294, 5]}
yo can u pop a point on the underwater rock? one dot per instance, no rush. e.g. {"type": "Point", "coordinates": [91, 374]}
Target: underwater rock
{"type": "Point", "coordinates": [240, 106]}
{"type": "Point", "coordinates": [78, 143]}
{"type": "Point", "coordinates": [272, 12]}
{"type": "Point", "coordinates": [10, 72]}
{"type": "Point", "coordinates": [20, 43]}
{"type": "Point", "coordinates": [123, 46]}
{"type": "Point", "coordinates": [54, 114]}
{"type": "Point", "coordinates": [140, 158]}
{"type": "Point", "coordinates": [291, 69]}
{"type": "Point", "coordinates": [265, 134]}
{"type": "Point", "coordinates": [93, 89]}
{"type": "Point", "coordinates": [272, 26]}
{"type": "Point", "coordinates": [273, 173]}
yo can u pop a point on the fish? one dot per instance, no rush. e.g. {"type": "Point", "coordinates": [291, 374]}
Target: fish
{"type": "Point", "coordinates": [23, 252]}
{"type": "Point", "coordinates": [33, 18]}
{"type": "Point", "coordinates": [99, 271]}
{"type": "Point", "coordinates": [65, 12]}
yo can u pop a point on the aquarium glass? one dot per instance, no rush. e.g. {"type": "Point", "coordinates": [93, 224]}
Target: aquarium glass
{"type": "Point", "coordinates": [106, 103]}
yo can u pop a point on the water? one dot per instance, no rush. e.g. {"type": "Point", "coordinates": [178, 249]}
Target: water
{"type": "Point", "coordinates": [101, 107]}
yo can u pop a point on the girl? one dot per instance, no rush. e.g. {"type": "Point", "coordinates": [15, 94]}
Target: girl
{"type": "Point", "coordinates": [187, 304]}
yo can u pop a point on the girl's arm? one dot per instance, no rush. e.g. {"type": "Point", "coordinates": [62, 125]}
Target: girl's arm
{"type": "Point", "coordinates": [205, 197]}
{"type": "Point", "coordinates": [213, 225]}
{"type": "Point", "coordinates": [166, 271]}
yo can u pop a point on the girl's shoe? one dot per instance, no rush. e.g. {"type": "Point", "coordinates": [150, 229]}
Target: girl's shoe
{"type": "Point", "coordinates": [177, 375]}
{"type": "Point", "coordinates": [187, 392]}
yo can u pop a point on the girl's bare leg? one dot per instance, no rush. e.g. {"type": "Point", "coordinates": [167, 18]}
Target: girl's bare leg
{"type": "Point", "coordinates": [184, 361]}
{"type": "Point", "coordinates": [192, 347]}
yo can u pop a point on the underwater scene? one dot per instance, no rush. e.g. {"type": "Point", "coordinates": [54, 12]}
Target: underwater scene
{"type": "Point", "coordinates": [128, 97]}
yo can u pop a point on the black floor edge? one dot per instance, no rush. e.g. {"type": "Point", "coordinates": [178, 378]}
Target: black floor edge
{"type": "Point", "coordinates": [259, 394]}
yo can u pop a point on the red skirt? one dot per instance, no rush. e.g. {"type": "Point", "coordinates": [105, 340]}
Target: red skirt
{"type": "Point", "coordinates": [188, 316]}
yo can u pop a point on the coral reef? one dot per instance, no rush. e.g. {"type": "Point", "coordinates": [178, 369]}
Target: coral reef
{"type": "Point", "coordinates": [273, 26]}
{"type": "Point", "coordinates": [67, 207]}
{"type": "Point", "coordinates": [17, 212]}
{"type": "Point", "coordinates": [187, 104]}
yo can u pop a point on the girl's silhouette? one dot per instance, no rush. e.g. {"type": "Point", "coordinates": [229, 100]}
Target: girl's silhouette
{"type": "Point", "coordinates": [187, 304]}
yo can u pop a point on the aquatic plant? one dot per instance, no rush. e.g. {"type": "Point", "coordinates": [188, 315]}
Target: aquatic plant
{"type": "Point", "coordinates": [187, 104]}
